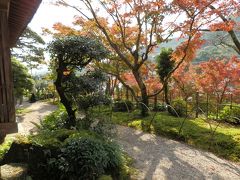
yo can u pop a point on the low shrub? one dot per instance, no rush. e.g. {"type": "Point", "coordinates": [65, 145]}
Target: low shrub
{"type": "Point", "coordinates": [55, 120]}
{"type": "Point", "coordinates": [180, 106]}
{"type": "Point", "coordinates": [32, 98]}
{"type": "Point", "coordinates": [54, 138]}
{"type": "Point", "coordinates": [231, 114]}
{"type": "Point", "coordinates": [160, 108]}
{"type": "Point", "coordinates": [87, 158]}
{"type": "Point", "coordinates": [122, 106]}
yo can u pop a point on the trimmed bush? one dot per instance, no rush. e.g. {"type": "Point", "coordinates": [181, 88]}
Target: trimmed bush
{"type": "Point", "coordinates": [231, 115]}
{"type": "Point", "coordinates": [180, 107]}
{"type": "Point", "coordinates": [122, 106]}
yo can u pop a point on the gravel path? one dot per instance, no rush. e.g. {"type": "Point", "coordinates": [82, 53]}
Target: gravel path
{"type": "Point", "coordinates": [35, 112]}
{"type": "Point", "coordinates": [158, 158]}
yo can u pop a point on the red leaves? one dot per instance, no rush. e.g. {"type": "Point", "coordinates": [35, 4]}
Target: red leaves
{"type": "Point", "coordinates": [187, 50]}
{"type": "Point", "coordinates": [223, 26]}
{"type": "Point", "coordinates": [219, 76]}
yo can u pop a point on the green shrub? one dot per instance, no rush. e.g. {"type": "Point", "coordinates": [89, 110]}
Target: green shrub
{"type": "Point", "coordinates": [87, 158]}
{"type": "Point", "coordinates": [55, 120]}
{"type": "Point", "coordinates": [180, 107]}
{"type": "Point", "coordinates": [32, 98]}
{"type": "Point", "coordinates": [54, 138]}
{"type": "Point", "coordinates": [122, 106]}
{"type": "Point", "coordinates": [231, 115]}
{"type": "Point", "coordinates": [160, 108]}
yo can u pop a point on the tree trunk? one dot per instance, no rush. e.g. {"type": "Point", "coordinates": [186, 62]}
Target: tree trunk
{"type": "Point", "coordinates": [155, 102]}
{"type": "Point", "coordinates": [71, 121]}
{"type": "Point", "coordinates": [127, 94]}
{"type": "Point", "coordinates": [144, 96]}
{"type": "Point", "coordinates": [108, 87]}
{"type": "Point", "coordinates": [165, 91]}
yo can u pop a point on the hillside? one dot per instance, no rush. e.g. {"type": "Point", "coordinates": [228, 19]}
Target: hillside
{"type": "Point", "coordinates": [210, 50]}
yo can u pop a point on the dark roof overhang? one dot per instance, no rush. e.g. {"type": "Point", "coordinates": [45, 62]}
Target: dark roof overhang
{"type": "Point", "coordinates": [20, 14]}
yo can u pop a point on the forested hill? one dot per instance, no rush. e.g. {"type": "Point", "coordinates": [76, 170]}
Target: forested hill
{"type": "Point", "coordinates": [210, 50]}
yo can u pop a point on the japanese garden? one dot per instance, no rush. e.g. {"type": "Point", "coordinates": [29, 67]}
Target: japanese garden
{"type": "Point", "coordinates": [125, 89]}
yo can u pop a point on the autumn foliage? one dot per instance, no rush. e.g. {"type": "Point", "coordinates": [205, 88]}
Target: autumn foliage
{"type": "Point", "coordinates": [131, 29]}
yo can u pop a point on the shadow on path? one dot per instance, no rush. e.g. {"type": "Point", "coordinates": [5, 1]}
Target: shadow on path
{"type": "Point", "coordinates": [159, 158]}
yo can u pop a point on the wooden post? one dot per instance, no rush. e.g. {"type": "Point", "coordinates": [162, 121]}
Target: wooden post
{"type": "Point", "coordinates": [7, 107]}
{"type": "Point", "coordinates": [197, 104]}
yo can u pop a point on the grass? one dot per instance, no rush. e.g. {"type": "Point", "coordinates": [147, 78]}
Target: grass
{"type": "Point", "coordinates": [195, 132]}
{"type": "Point", "coordinates": [5, 146]}
{"type": "Point", "coordinates": [21, 111]}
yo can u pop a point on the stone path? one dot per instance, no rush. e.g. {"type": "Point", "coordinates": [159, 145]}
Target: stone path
{"type": "Point", "coordinates": [156, 158]}
{"type": "Point", "coordinates": [35, 112]}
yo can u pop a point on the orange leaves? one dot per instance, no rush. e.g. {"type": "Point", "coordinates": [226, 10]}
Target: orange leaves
{"type": "Point", "coordinates": [223, 26]}
{"type": "Point", "coordinates": [219, 75]}
{"type": "Point", "coordinates": [64, 30]}
{"type": "Point", "coordinates": [186, 51]}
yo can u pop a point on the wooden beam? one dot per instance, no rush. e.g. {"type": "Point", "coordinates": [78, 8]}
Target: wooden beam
{"type": "Point", "coordinates": [7, 109]}
{"type": "Point", "coordinates": [4, 5]}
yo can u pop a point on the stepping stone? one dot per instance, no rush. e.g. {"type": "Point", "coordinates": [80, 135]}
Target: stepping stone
{"type": "Point", "coordinates": [13, 171]}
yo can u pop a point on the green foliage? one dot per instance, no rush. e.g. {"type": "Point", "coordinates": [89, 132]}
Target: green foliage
{"type": "Point", "coordinates": [55, 120]}
{"type": "Point", "coordinates": [29, 48]}
{"type": "Point", "coordinates": [196, 132]}
{"type": "Point", "coordinates": [54, 138]}
{"type": "Point", "coordinates": [91, 100]}
{"type": "Point", "coordinates": [164, 63]}
{"type": "Point", "coordinates": [9, 139]}
{"type": "Point", "coordinates": [122, 106]}
{"type": "Point", "coordinates": [21, 79]}
{"type": "Point", "coordinates": [20, 111]}
{"type": "Point", "coordinates": [69, 54]}
{"type": "Point", "coordinates": [160, 108]}
{"type": "Point", "coordinates": [180, 106]}
{"type": "Point", "coordinates": [231, 114]}
{"type": "Point", "coordinates": [87, 158]}
{"type": "Point", "coordinates": [86, 89]}
{"type": "Point", "coordinates": [76, 51]}
{"type": "Point", "coordinates": [5, 146]}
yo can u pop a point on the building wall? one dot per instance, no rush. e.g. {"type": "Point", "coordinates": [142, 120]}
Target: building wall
{"type": "Point", "coordinates": [7, 109]}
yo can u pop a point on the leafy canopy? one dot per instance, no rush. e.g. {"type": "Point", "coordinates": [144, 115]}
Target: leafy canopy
{"type": "Point", "coordinates": [76, 51]}
{"type": "Point", "coordinates": [21, 78]}
{"type": "Point", "coordinates": [164, 63]}
{"type": "Point", "coordinates": [29, 48]}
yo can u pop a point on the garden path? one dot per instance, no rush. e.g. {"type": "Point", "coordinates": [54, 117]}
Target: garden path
{"type": "Point", "coordinates": [34, 113]}
{"type": "Point", "coordinates": [158, 158]}
{"type": "Point", "coordinates": [155, 157]}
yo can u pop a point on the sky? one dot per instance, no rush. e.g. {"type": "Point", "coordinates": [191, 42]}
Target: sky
{"type": "Point", "coordinates": [47, 15]}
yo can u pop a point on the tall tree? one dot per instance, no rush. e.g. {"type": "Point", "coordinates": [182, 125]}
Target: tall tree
{"type": "Point", "coordinates": [70, 53]}
{"type": "Point", "coordinates": [219, 76]}
{"type": "Point", "coordinates": [30, 49]}
{"type": "Point", "coordinates": [131, 30]}
{"type": "Point", "coordinates": [165, 65]}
